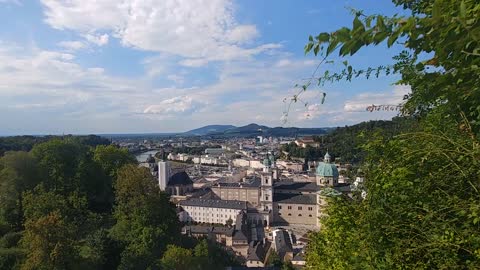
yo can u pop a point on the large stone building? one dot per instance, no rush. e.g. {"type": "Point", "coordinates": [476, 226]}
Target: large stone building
{"type": "Point", "coordinates": [247, 190]}
{"type": "Point", "coordinates": [210, 211]}
{"type": "Point", "coordinates": [271, 201]}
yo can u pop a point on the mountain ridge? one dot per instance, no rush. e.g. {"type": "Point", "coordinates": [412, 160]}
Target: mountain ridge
{"type": "Point", "coordinates": [254, 129]}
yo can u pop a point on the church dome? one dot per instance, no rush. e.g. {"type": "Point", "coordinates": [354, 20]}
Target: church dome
{"type": "Point", "coordinates": [267, 162]}
{"type": "Point", "coordinates": [327, 170]}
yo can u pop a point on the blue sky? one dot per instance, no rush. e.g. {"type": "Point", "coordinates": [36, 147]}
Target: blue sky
{"type": "Point", "coordinates": [131, 66]}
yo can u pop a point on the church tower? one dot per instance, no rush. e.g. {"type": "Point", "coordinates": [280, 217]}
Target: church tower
{"type": "Point", "coordinates": [266, 191]}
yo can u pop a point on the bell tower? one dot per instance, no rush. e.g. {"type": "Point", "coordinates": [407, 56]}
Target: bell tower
{"type": "Point", "coordinates": [266, 192]}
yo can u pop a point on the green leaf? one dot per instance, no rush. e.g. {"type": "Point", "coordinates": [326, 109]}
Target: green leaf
{"type": "Point", "coordinates": [392, 39]}
{"type": "Point", "coordinates": [436, 11]}
{"type": "Point", "coordinates": [379, 37]}
{"type": "Point", "coordinates": [316, 49]}
{"type": "Point", "coordinates": [323, 37]}
{"type": "Point", "coordinates": [463, 10]}
{"type": "Point", "coordinates": [346, 48]}
{"type": "Point", "coordinates": [331, 47]}
{"type": "Point", "coordinates": [357, 24]}
{"type": "Point", "coordinates": [356, 46]}
{"type": "Point", "coordinates": [380, 23]}
{"type": "Point", "coordinates": [343, 35]}
{"type": "Point", "coordinates": [308, 47]}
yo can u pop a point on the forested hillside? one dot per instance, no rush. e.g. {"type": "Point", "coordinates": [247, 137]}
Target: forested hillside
{"type": "Point", "coordinates": [26, 143]}
{"type": "Point", "coordinates": [345, 143]}
{"type": "Point", "coordinates": [69, 205]}
{"type": "Point", "coordinates": [421, 203]}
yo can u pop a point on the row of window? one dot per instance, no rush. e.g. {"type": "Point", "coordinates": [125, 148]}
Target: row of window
{"type": "Point", "coordinates": [206, 214]}
{"type": "Point", "coordinates": [207, 220]}
{"type": "Point", "coordinates": [299, 208]}
{"type": "Point", "coordinates": [209, 209]}
{"type": "Point", "coordinates": [290, 214]}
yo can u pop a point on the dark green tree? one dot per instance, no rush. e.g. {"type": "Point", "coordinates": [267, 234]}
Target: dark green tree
{"type": "Point", "coordinates": [145, 219]}
{"type": "Point", "coordinates": [18, 172]}
{"type": "Point", "coordinates": [111, 158]}
{"type": "Point", "coordinates": [177, 258]}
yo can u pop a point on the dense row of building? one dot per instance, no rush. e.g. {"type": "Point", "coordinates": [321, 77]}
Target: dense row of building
{"type": "Point", "coordinates": [252, 205]}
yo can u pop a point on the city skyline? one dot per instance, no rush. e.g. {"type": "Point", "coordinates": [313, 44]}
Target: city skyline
{"type": "Point", "coordinates": [171, 66]}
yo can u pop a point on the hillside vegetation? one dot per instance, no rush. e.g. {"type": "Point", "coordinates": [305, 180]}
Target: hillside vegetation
{"type": "Point", "coordinates": [69, 205]}
{"type": "Point", "coordinates": [346, 143]}
{"type": "Point", "coordinates": [421, 208]}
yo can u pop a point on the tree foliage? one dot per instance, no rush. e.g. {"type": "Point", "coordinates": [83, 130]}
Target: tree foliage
{"type": "Point", "coordinates": [111, 158]}
{"type": "Point", "coordinates": [56, 210]}
{"type": "Point", "coordinates": [204, 256]}
{"type": "Point", "coordinates": [145, 220]}
{"type": "Point", "coordinates": [18, 172]}
{"type": "Point", "coordinates": [345, 143]}
{"type": "Point", "coordinates": [421, 209]}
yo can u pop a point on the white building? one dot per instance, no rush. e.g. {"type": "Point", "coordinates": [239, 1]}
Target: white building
{"type": "Point", "coordinates": [210, 211]}
{"type": "Point", "coordinates": [163, 174]}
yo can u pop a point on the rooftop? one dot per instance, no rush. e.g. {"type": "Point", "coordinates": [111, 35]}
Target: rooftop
{"type": "Point", "coordinates": [258, 251]}
{"type": "Point", "coordinates": [295, 198]}
{"type": "Point", "coordinates": [229, 204]}
{"type": "Point", "coordinates": [282, 243]}
{"type": "Point", "coordinates": [180, 178]}
{"type": "Point", "coordinates": [255, 182]}
{"type": "Point", "coordinates": [299, 186]}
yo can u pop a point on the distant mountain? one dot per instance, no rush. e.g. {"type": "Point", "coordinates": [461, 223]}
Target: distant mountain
{"type": "Point", "coordinates": [248, 129]}
{"type": "Point", "coordinates": [252, 130]}
{"type": "Point", "coordinates": [209, 129]}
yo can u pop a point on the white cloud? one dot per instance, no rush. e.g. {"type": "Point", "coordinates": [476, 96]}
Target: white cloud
{"type": "Point", "coordinates": [283, 63]}
{"type": "Point", "coordinates": [362, 101]}
{"type": "Point", "coordinates": [97, 39]}
{"type": "Point", "coordinates": [178, 79]}
{"type": "Point", "coordinates": [52, 88]}
{"type": "Point", "coordinates": [174, 106]}
{"type": "Point", "coordinates": [198, 30]}
{"type": "Point", "coordinates": [199, 62]}
{"type": "Point", "coordinates": [72, 45]}
{"type": "Point", "coordinates": [242, 33]}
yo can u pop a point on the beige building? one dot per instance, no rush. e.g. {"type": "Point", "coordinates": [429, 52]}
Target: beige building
{"type": "Point", "coordinates": [247, 191]}
{"type": "Point", "coordinates": [295, 209]}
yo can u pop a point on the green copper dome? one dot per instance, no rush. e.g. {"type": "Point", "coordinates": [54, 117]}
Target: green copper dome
{"type": "Point", "coordinates": [327, 170]}
{"type": "Point", "coordinates": [267, 162]}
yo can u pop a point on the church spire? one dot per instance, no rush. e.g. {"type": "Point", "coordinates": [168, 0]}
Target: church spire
{"type": "Point", "coordinates": [327, 158]}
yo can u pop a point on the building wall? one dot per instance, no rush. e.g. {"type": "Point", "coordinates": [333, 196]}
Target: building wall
{"type": "Point", "coordinates": [240, 162]}
{"type": "Point", "coordinates": [179, 190]}
{"type": "Point", "coordinates": [163, 174]}
{"type": "Point", "coordinates": [295, 213]}
{"type": "Point", "coordinates": [208, 214]}
{"type": "Point", "coordinates": [297, 167]}
{"type": "Point", "coordinates": [250, 195]}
